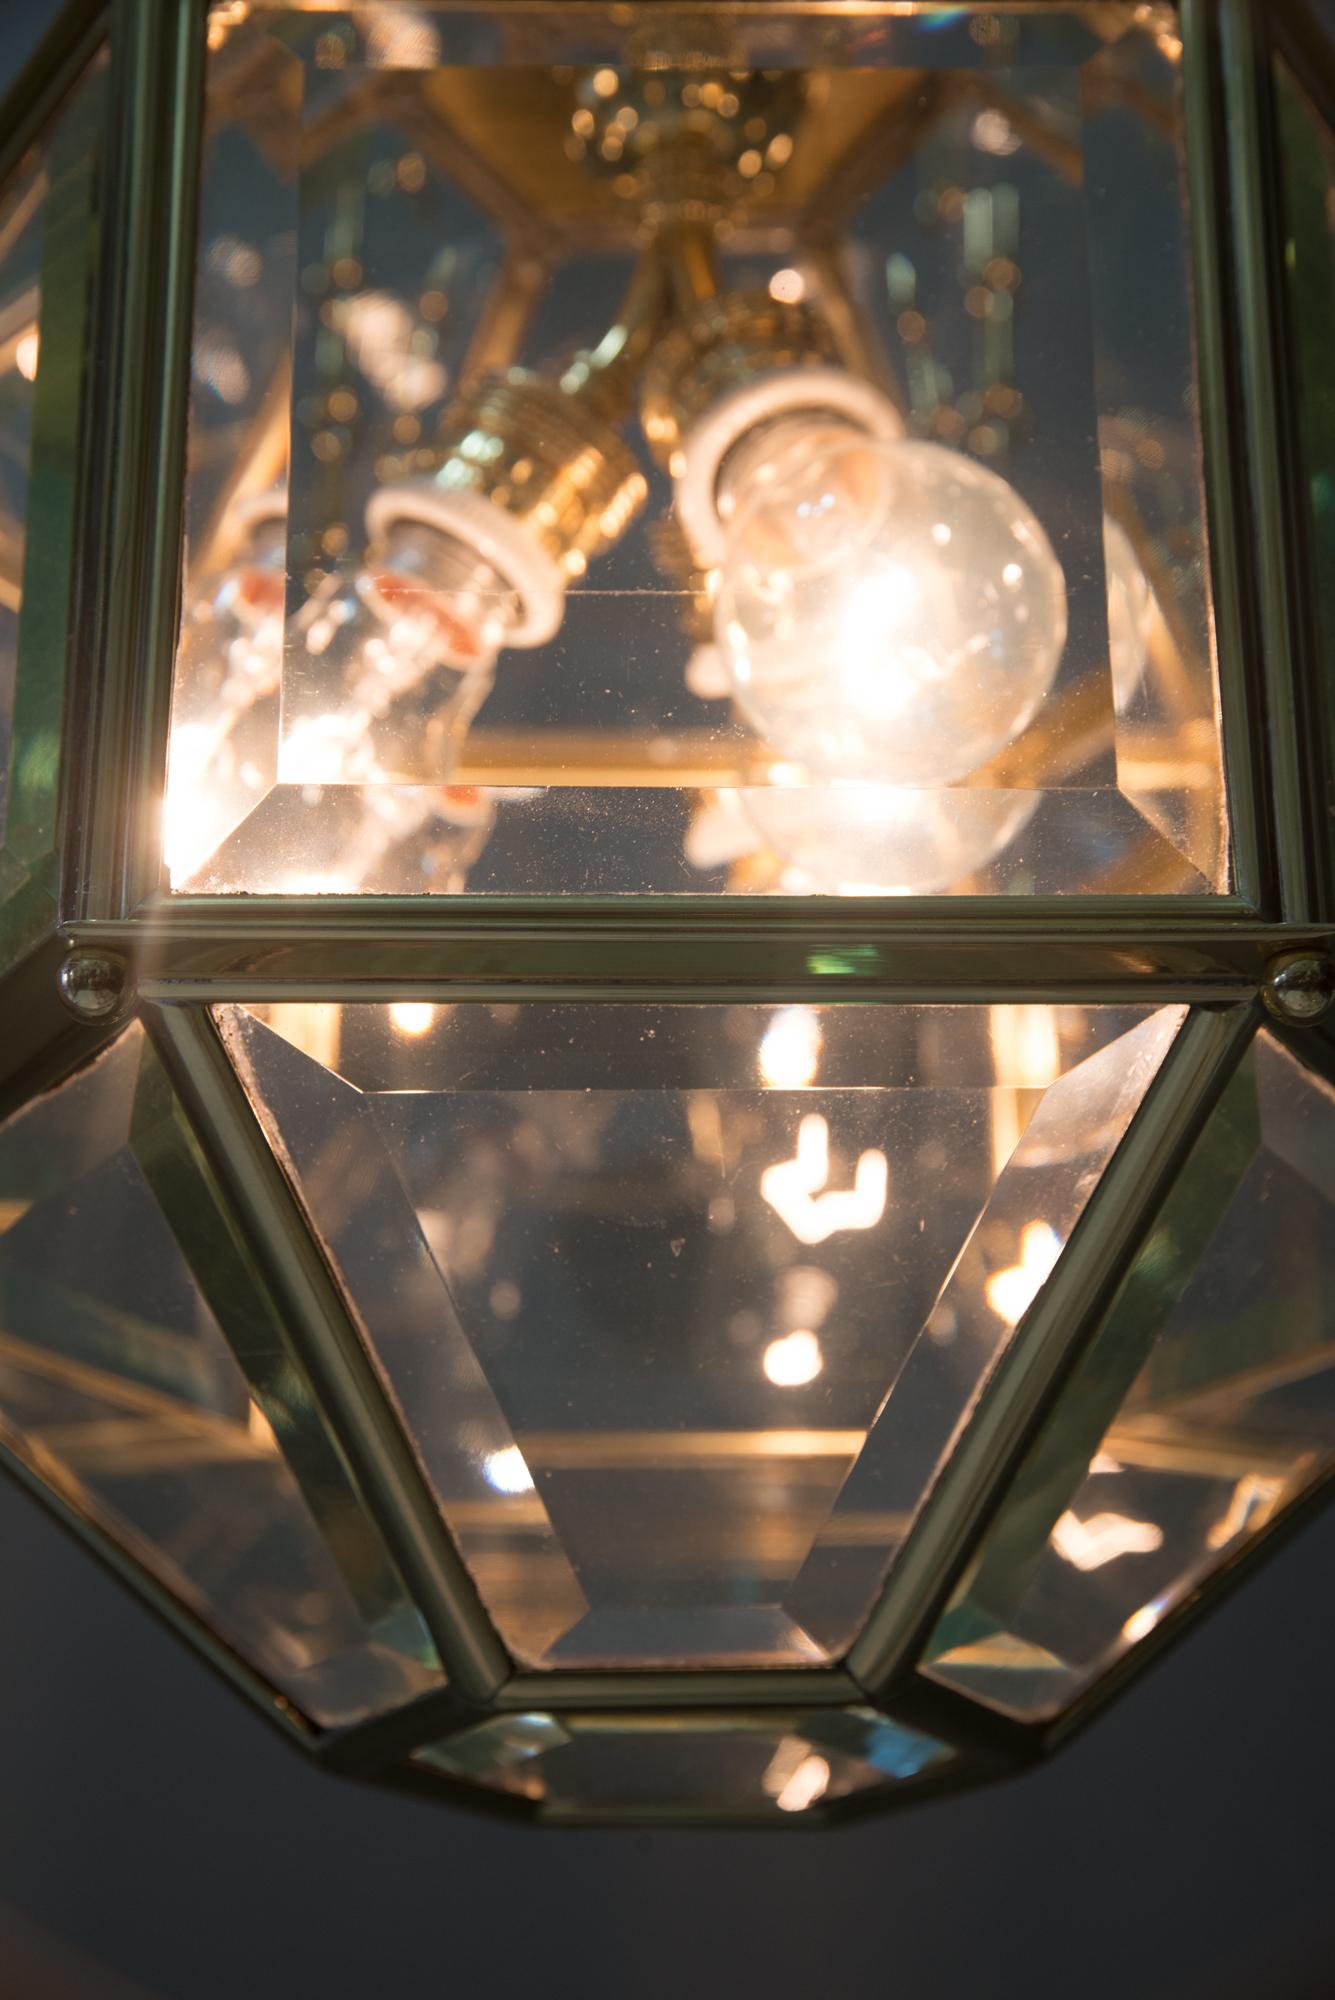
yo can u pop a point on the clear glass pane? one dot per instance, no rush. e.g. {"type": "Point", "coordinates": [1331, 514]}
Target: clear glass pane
{"type": "Point", "coordinates": [1308, 148]}
{"type": "Point", "coordinates": [1205, 1406]}
{"type": "Point", "coordinates": [684, 1306]}
{"type": "Point", "coordinates": [689, 1766]}
{"type": "Point", "coordinates": [199, 1452]}
{"type": "Point", "coordinates": [641, 452]}
{"type": "Point", "coordinates": [46, 237]}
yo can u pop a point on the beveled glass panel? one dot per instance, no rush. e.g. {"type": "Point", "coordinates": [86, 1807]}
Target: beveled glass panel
{"type": "Point", "coordinates": [728, 1767]}
{"type": "Point", "coordinates": [199, 1453]}
{"type": "Point", "coordinates": [683, 1306]}
{"type": "Point", "coordinates": [635, 451]}
{"type": "Point", "coordinates": [1308, 152]}
{"type": "Point", "coordinates": [1205, 1407]}
{"type": "Point", "coordinates": [46, 243]}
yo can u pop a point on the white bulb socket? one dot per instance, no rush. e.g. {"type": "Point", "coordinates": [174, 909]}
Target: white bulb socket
{"type": "Point", "coordinates": [819, 392]}
{"type": "Point", "coordinates": [501, 540]}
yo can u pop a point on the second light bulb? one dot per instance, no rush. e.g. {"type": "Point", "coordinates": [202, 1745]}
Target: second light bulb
{"type": "Point", "coordinates": [889, 610]}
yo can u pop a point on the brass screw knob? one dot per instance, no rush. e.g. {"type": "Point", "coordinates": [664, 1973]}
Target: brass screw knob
{"type": "Point", "coordinates": [1300, 987]}
{"type": "Point", "coordinates": [95, 986]}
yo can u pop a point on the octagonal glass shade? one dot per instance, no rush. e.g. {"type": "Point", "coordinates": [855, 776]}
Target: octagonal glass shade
{"type": "Point", "coordinates": [684, 1306]}
{"type": "Point", "coordinates": [145, 1379]}
{"type": "Point", "coordinates": [497, 312]}
{"type": "Point", "coordinates": [1204, 1408]}
{"type": "Point", "coordinates": [47, 232]}
{"type": "Point", "coordinates": [767, 1766]}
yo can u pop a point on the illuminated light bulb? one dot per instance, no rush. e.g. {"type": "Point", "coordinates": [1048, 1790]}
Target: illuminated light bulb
{"type": "Point", "coordinates": [412, 1017]}
{"type": "Point", "coordinates": [1130, 602]}
{"type": "Point", "coordinates": [1254, 1500]}
{"type": "Point", "coordinates": [793, 1360]}
{"type": "Point", "coordinates": [884, 840]}
{"type": "Point", "coordinates": [790, 1048]}
{"type": "Point", "coordinates": [26, 350]}
{"type": "Point", "coordinates": [442, 595]}
{"type": "Point", "coordinates": [796, 1776]}
{"type": "Point", "coordinates": [731, 445]}
{"type": "Point", "coordinates": [1141, 1623]}
{"type": "Point", "coordinates": [1088, 1545]}
{"type": "Point", "coordinates": [798, 1193]}
{"type": "Point", "coordinates": [225, 696]}
{"type": "Point", "coordinates": [415, 838]}
{"type": "Point", "coordinates": [472, 575]}
{"type": "Point", "coordinates": [1011, 1292]}
{"type": "Point", "coordinates": [809, 1782]}
{"type": "Point", "coordinates": [370, 700]}
{"type": "Point", "coordinates": [891, 612]}
{"type": "Point", "coordinates": [507, 1471]}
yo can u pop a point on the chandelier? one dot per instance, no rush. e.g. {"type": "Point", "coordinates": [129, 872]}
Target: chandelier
{"type": "Point", "coordinates": [668, 1096]}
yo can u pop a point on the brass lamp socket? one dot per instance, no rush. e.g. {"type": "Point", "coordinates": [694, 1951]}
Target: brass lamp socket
{"type": "Point", "coordinates": [533, 477]}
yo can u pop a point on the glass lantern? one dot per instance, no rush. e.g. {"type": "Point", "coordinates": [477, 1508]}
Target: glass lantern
{"type": "Point", "coordinates": [667, 1114]}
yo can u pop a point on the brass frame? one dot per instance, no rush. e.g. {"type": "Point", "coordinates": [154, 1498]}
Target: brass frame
{"type": "Point", "coordinates": [189, 950]}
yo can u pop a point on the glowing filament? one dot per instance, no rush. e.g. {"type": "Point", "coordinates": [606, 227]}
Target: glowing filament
{"type": "Point", "coordinates": [793, 1360]}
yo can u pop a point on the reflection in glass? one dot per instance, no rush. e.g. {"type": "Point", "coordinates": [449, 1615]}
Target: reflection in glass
{"type": "Point", "coordinates": [684, 1306]}
{"type": "Point", "coordinates": [689, 1766]}
{"type": "Point", "coordinates": [47, 238]}
{"type": "Point", "coordinates": [21, 208]}
{"type": "Point", "coordinates": [1308, 153]}
{"type": "Point", "coordinates": [118, 1386]}
{"type": "Point", "coordinates": [1204, 1408]}
{"type": "Point", "coordinates": [679, 421]}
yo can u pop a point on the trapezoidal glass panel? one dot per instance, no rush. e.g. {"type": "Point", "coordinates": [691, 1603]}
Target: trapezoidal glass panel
{"type": "Point", "coordinates": [690, 1767]}
{"type": "Point", "coordinates": [198, 1451]}
{"type": "Point", "coordinates": [749, 451]}
{"type": "Point", "coordinates": [683, 1306]}
{"type": "Point", "coordinates": [1204, 1408]}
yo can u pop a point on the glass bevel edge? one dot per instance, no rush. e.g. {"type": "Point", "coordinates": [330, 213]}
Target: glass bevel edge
{"type": "Point", "coordinates": [1045, 1735]}
{"type": "Point", "coordinates": [1266, 388]}
{"type": "Point", "coordinates": [1064, 1317]}
{"type": "Point", "coordinates": [1291, 37]}
{"type": "Point", "coordinates": [58, 1062]}
{"type": "Point", "coordinates": [67, 127]}
{"type": "Point", "coordinates": [975, 1759]}
{"type": "Point", "coordinates": [325, 1336]}
{"type": "Point", "coordinates": [1311, 1048]}
{"type": "Point", "coordinates": [56, 63]}
{"type": "Point", "coordinates": [1223, 459]}
{"type": "Point", "coordinates": [130, 540]}
{"type": "Point", "coordinates": [292, 1725]}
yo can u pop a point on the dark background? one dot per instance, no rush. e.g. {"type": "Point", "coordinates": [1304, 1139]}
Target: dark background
{"type": "Point", "coordinates": [157, 1840]}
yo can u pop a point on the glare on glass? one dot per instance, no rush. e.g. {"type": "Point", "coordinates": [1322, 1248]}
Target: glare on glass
{"type": "Point", "coordinates": [1204, 1409]}
{"type": "Point", "coordinates": [145, 1381]}
{"type": "Point", "coordinates": [633, 452]}
{"type": "Point", "coordinates": [685, 1306]}
{"type": "Point", "coordinates": [766, 1767]}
